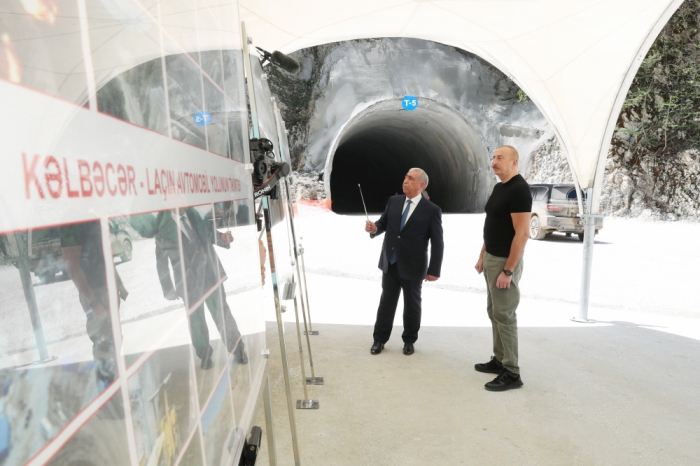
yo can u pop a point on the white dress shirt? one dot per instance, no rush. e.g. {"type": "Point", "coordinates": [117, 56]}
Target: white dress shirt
{"type": "Point", "coordinates": [414, 203]}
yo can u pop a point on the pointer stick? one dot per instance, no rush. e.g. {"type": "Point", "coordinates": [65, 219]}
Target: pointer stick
{"type": "Point", "coordinates": [363, 201]}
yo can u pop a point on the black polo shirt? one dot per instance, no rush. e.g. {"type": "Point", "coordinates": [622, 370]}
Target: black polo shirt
{"type": "Point", "coordinates": [507, 198]}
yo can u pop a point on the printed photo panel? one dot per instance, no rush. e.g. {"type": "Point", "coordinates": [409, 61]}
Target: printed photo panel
{"type": "Point", "coordinates": [263, 96]}
{"type": "Point", "coordinates": [211, 40]}
{"type": "Point", "coordinates": [236, 110]}
{"type": "Point", "coordinates": [193, 452]}
{"type": "Point", "coordinates": [57, 350]}
{"type": "Point", "coordinates": [163, 405]}
{"type": "Point", "coordinates": [215, 117]}
{"type": "Point", "coordinates": [121, 36]}
{"type": "Point", "coordinates": [153, 315]}
{"type": "Point", "coordinates": [212, 327]}
{"type": "Point", "coordinates": [40, 48]}
{"type": "Point", "coordinates": [186, 100]}
{"type": "Point", "coordinates": [217, 423]}
{"type": "Point", "coordinates": [102, 440]}
{"type": "Point", "coordinates": [244, 276]}
{"type": "Point", "coordinates": [198, 236]}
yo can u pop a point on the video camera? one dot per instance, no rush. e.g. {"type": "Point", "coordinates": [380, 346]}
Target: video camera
{"type": "Point", "coordinates": [266, 170]}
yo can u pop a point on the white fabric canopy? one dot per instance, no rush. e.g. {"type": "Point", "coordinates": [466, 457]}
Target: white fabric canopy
{"type": "Point", "coordinates": [574, 58]}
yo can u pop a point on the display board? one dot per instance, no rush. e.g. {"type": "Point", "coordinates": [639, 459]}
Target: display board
{"type": "Point", "coordinates": [130, 278]}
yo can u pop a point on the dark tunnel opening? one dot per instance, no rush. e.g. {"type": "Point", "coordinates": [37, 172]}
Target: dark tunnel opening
{"type": "Point", "coordinates": [378, 147]}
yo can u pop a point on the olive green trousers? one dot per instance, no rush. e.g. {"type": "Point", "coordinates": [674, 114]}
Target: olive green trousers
{"type": "Point", "coordinates": [501, 305]}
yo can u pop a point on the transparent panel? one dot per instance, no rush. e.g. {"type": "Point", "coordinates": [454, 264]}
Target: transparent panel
{"type": "Point", "coordinates": [130, 277]}
{"type": "Point", "coordinates": [263, 96]}
{"type": "Point", "coordinates": [234, 87]}
{"type": "Point", "coordinates": [163, 405]}
{"type": "Point", "coordinates": [215, 105]}
{"type": "Point", "coordinates": [193, 454]}
{"type": "Point", "coordinates": [186, 100]}
{"type": "Point", "coordinates": [102, 440]}
{"type": "Point", "coordinates": [27, 59]}
{"type": "Point", "coordinates": [121, 35]}
{"type": "Point", "coordinates": [57, 351]}
{"type": "Point", "coordinates": [217, 422]}
{"type": "Point", "coordinates": [154, 315]}
{"type": "Point", "coordinates": [242, 280]}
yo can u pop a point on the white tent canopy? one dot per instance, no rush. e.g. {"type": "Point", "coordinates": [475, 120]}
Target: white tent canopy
{"type": "Point", "coordinates": [574, 58]}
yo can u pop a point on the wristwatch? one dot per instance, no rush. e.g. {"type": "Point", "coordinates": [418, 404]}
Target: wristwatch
{"type": "Point", "coordinates": [508, 273]}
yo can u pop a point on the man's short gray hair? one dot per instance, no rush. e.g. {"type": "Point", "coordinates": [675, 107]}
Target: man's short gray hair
{"type": "Point", "coordinates": [422, 175]}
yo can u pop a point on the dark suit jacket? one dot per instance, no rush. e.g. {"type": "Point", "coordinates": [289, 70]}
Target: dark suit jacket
{"type": "Point", "coordinates": [411, 243]}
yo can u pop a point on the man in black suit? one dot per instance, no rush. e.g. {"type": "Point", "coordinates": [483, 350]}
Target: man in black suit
{"type": "Point", "coordinates": [410, 221]}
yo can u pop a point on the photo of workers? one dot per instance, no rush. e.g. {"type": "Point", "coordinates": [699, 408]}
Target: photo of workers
{"type": "Point", "coordinates": [188, 270]}
{"type": "Point", "coordinates": [102, 440]}
{"type": "Point", "coordinates": [163, 405]}
{"type": "Point", "coordinates": [57, 351]}
{"type": "Point", "coordinates": [217, 424]}
{"type": "Point", "coordinates": [26, 60]}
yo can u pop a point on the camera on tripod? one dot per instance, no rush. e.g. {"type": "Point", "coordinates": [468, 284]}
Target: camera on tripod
{"type": "Point", "coordinates": [266, 170]}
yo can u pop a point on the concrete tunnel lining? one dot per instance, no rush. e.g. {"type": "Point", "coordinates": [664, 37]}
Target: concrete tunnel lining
{"type": "Point", "coordinates": [379, 145]}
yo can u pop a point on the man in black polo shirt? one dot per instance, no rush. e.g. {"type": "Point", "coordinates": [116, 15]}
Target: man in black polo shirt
{"type": "Point", "coordinates": [501, 259]}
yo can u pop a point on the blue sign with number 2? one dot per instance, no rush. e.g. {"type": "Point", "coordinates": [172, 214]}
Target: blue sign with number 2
{"type": "Point", "coordinates": [409, 103]}
{"type": "Point", "coordinates": [202, 118]}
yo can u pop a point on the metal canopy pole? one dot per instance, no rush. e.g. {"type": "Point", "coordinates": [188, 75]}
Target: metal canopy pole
{"type": "Point", "coordinates": [589, 223]}
{"type": "Point", "coordinates": [280, 328]}
{"type": "Point", "coordinates": [594, 193]}
{"type": "Point", "coordinates": [590, 220]}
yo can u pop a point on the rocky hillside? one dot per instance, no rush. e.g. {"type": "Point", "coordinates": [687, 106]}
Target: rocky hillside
{"type": "Point", "coordinates": [654, 164]}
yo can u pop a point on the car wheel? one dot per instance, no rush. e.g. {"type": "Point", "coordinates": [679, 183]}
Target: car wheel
{"type": "Point", "coordinates": [128, 251]}
{"type": "Point", "coordinates": [581, 236]}
{"type": "Point", "coordinates": [536, 231]}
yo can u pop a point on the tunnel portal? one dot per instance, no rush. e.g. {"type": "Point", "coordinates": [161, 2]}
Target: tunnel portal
{"type": "Point", "coordinates": [378, 147]}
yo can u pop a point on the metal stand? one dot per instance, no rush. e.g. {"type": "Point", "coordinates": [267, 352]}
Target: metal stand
{"type": "Point", "coordinates": [267, 401]}
{"type": "Point", "coordinates": [306, 290]}
{"type": "Point", "coordinates": [313, 380]}
{"type": "Point", "coordinates": [306, 403]}
{"type": "Point", "coordinates": [280, 328]}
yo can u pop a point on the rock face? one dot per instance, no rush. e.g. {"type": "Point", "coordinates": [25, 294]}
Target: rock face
{"type": "Point", "coordinates": [339, 83]}
{"type": "Point", "coordinates": [308, 186]}
{"type": "Point", "coordinates": [653, 188]}
{"type": "Point", "coordinates": [339, 80]}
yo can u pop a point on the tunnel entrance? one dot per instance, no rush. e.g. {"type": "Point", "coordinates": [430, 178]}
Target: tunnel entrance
{"type": "Point", "coordinates": [378, 147]}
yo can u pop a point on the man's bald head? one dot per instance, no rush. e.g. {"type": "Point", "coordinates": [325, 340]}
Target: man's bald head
{"type": "Point", "coordinates": [511, 151]}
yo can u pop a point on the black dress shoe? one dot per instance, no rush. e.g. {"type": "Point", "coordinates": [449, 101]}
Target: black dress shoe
{"type": "Point", "coordinates": [494, 366]}
{"type": "Point", "coordinates": [408, 349]}
{"type": "Point", "coordinates": [506, 380]}
{"type": "Point", "coordinates": [376, 347]}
